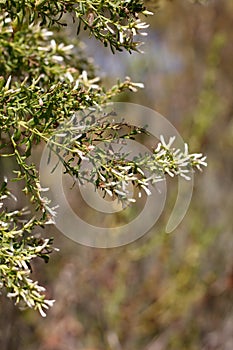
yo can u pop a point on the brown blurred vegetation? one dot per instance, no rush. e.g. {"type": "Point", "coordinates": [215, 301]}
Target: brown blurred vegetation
{"type": "Point", "coordinates": [165, 291]}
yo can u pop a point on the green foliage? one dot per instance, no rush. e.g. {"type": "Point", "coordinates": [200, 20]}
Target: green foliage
{"type": "Point", "coordinates": [43, 83]}
{"type": "Point", "coordinates": [18, 247]}
{"type": "Point", "coordinates": [112, 22]}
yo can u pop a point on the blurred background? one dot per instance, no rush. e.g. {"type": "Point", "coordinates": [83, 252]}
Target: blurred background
{"type": "Point", "coordinates": [164, 291]}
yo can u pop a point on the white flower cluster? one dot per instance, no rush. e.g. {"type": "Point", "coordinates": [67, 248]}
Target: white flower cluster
{"type": "Point", "coordinates": [173, 161]}
{"type": "Point", "coordinates": [5, 23]}
{"type": "Point", "coordinates": [83, 78]}
{"type": "Point", "coordinates": [143, 170]}
{"type": "Point", "coordinates": [15, 256]}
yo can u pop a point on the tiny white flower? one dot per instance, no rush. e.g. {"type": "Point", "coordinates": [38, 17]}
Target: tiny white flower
{"type": "Point", "coordinates": [40, 288]}
{"type": "Point", "coordinates": [8, 83]}
{"type": "Point", "coordinates": [141, 25]}
{"type": "Point", "coordinates": [43, 314]}
{"type": "Point", "coordinates": [108, 192]}
{"type": "Point", "coordinates": [121, 37]}
{"type": "Point", "coordinates": [57, 58]}
{"type": "Point", "coordinates": [68, 48]}
{"type": "Point", "coordinates": [147, 13]}
{"type": "Point", "coordinates": [53, 44]}
{"type": "Point", "coordinates": [162, 141]}
{"type": "Point", "coordinates": [49, 302]}
{"type": "Point", "coordinates": [110, 29]}
{"type": "Point", "coordinates": [120, 193]}
{"type": "Point", "coordinates": [50, 221]}
{"type": "Point", "coordinates": [42, 48]}
{"type": "Point", "coordinates": [69, 76]}
{"type": "Point", "coordinates": [7, 20]}
{"type": "Point", "coordinates": [139, 85]}
{"type": "Point", "coordinates": [3, 224]}
{"type": "Point", "coordinates": [132, 200]}
{"type": "Point", "coordinates": [170, 142]}
{"type": "Point", "coordinates": [46, 33]}
{"type": "Point", "coordinates": [146, 189]}
{"type": "Point", "coordinates": [186, 149]}
{"type": "Point", "coordinates": [168, 171]}
{"type": "Point", "coordinates": [76, 84]}
{"type": "Point", "coordinates": [84, 76]}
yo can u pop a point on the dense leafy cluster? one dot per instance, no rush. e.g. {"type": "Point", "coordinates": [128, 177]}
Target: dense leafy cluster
{"type": "Point", "coordinates": [18, 247]}
{"type": "Point", "coordinates": [112, 22]}
{"type": "Point", "coordinates": [111, 170]}
{"type": "Point", "coordinates": [43, 83]}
